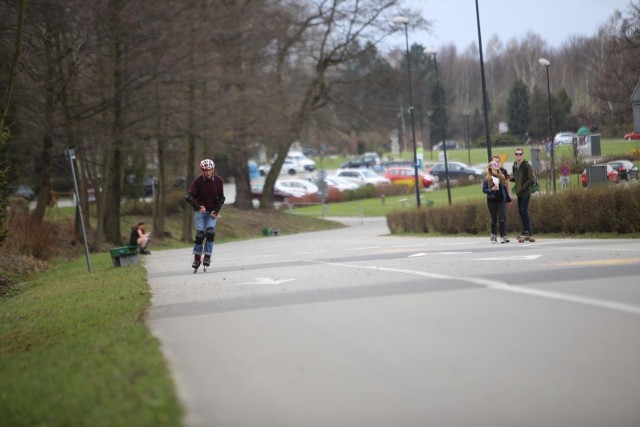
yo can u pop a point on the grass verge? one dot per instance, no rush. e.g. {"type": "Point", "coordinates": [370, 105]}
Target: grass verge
{"type": "Point", "coordinates": [74, 351]}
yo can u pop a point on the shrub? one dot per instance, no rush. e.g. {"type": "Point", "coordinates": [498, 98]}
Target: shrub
{"type": "Point", "coordinates": [605, 209]}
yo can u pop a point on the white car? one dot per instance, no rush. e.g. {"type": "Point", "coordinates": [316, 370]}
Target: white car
{"type": "Point", "coordinates": [297, 187]}
{"type": "Point", "coordinates": [341, 183]}
{"type": "Point", "coordinates": [297, 157]}
{"type": "Point", "coordinates": [362, 177]}
{"type": "Point", "coordinates": [289, 166]}
{"type": "Point", "coordinates": [564, 138]}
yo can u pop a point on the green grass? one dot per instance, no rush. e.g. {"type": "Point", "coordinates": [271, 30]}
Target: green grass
{"type": "Point", "coordinates": [479, 155]}
{"type": "Point", "coordinates": [75, 351]}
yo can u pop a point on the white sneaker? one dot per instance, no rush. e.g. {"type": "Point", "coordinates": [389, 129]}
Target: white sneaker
{"type": "Point", "coordinates": [494, 238]}
{"type": "Point", "coordinates": [504, 239]}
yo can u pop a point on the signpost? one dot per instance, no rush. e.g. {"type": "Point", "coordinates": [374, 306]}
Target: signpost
{"type": "Point", "coordinates": [565, 172]}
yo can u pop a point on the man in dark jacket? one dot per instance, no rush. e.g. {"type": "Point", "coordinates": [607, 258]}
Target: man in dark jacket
{"type": "Point", "coordinates": [206, 196]}
{"type": "Point", "coordinates": [523, 177]}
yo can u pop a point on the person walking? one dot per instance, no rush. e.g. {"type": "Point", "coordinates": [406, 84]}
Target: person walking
{"type": "Point", "coordinates": [206, 197]}
{"type": "Point", "coordinates": [523, 177]}
{"type": "Point", "coordinates": [494, 185]}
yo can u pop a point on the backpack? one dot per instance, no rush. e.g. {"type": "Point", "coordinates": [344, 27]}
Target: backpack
{"type": "Point", "coordinates": [534, 187]}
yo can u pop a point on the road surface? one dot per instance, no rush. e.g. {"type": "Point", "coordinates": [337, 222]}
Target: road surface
{"type": "Point", "coordinates": [354, 327]}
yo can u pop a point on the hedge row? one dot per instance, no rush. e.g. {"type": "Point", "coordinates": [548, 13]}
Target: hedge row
{"type": "Point", "coordinates": [605, 209]}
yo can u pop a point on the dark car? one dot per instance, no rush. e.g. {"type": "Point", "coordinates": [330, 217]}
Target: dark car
{"type": "Point", "coordinates": [457, 171]}
{"type": "Point", "coordinates": [626, 169]}
{"type": "Point", "coordinates": [451, 145]}
{"type": "Point", "coordinates": [25, 192]}
{"type": "Point", "coordinates": [366, 161]}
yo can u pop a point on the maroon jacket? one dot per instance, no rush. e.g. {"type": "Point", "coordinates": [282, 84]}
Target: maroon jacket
{"type": "Point", "coordinates": [206, 192]}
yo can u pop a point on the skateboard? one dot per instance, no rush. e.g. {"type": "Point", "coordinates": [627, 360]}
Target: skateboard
{"type": "Point", "coordinates": [522, 239]}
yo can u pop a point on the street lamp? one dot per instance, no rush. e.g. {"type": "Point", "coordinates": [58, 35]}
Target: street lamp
{"type": "Point", "coordinates": [545, 62]}
{"type": "Point", "coordinates": [429, 114]}
{"type": "Point", "coordinates": [441, 107]}
{"type": "Point", "coordinates": [467, 139]}
{"type": "Point", "coordinates": [403, 20]}
{"type": "Point", "coordinates": [485, 106]}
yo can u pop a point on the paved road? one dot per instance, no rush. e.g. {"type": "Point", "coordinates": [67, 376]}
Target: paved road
{"type": "Point", "coordinates": [353, 327]}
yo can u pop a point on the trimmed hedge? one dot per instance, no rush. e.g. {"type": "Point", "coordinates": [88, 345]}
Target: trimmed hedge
{"type": "Point", "coordinates": [605, 209]}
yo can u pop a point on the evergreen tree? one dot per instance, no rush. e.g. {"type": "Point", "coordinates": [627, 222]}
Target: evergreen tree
{"type": "Point", "coordinates": [518, 110]}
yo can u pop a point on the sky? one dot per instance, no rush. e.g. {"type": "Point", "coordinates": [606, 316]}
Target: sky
{"type": "Point", "coordinates": [555, 21]}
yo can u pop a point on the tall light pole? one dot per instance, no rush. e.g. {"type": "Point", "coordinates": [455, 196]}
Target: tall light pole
{"type": "Point", "coordinates": [546, 63]}
{"type": "Point", "coordinates": [467, 139]}
{"type": "Point", "coordinates": [485, 106]}
{"type": "Point", "coordinates": [405, 21]}
{"type": "Point", "coordinates": [441, 107]}
{"type": "Point", "coordinates": [429, 114]}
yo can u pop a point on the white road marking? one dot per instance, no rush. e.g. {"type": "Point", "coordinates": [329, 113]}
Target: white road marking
{"type": "Point", "coordinates": [500, 286]}
{"type": "Point", "coordinates": [510, 258]}
{"type": "Point", "coordinates": [419, 254]}
{"type": "Point", "coordinates": [267, 281]}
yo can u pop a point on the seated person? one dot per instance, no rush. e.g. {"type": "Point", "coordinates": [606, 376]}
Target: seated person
{"type": "Point", "coordinates": [139, 237]}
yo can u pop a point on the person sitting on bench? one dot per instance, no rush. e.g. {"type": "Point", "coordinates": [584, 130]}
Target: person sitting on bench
{"type": "Point", "coordinates": [139, 237]}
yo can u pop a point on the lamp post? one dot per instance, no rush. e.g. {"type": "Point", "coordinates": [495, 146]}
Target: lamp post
{"type": "Point", "coordinates": [485, 107]}
{"type": "Point", "coordinates": [441, 107]}
{"type": "Point", "coordinates": [467, 139]}
{"type": "Point", "coordinates": [429, 114]}
{"type": "Point", "coordinates": [404, 21]}
{"type": "Point", "coordinates": [545, 62]}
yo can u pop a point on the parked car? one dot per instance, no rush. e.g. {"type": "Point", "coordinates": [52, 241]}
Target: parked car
{"type": "Point", "coordinates": [451, 145]}
{"type": "Point", "coordinates": [299, 158]}
{"type": "Point", "coordinates": [341, 183]}
{"type": "Point", "coordinates": [297, 187]}
{"type": "Point", "coordinates": [278, 194]}
{"type": "Point", "coordinates": [370, 160]}
{"type": "Point", "coordinates": [457, 171]}
{"type": "Point", "coordinates": [289, 166]}
{"type": "Point", "coordinates": [362, 177]}
{"type": "Point", "coordinates": [337, 182]}
{"type": "Point", "coordinates": [149, 186]}
{"type": "Point", "coordinates": [25, 192]}
{"type": "Point", "coordinates": [612, 175]}
{"type": "Point", "coordinates": [564, 138]}
{"type": "Point", "coordinates": [626, 169]}
{"type": "Point", "coordinates": [399, 174]}
{"type": "Point", "coordinates": [632, 135]}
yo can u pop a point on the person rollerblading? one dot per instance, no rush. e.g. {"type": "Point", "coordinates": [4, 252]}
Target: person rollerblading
{"type": "Point", "coordinates": [206, 197]}
{"type": "Point", "coordinates": [196, 263]}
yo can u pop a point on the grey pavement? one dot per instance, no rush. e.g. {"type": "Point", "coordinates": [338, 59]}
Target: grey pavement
{"type": "Point", "coordinates": [354, 327]}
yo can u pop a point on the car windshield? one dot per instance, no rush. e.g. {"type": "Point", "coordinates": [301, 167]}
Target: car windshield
{"type": "Point", "coordinates": [368, 174]}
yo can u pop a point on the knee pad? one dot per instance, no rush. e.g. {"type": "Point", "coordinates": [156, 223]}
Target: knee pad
{"type": "Point", "coordinates": [211, 234]}
{"type": "Point", "coordinates": [199, 237]}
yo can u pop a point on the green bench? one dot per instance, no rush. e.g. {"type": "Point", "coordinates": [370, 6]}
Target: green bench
{"type": "Point", "coordinates": [126, 255]}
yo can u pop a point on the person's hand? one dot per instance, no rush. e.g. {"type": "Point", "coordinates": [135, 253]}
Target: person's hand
{"type": "Point", "coordinates": [202, 209]}
{"type": "Point", "coordinates": [214, 214]}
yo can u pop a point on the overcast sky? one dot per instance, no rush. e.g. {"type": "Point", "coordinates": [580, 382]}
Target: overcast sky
{"type": "Point", "coordinates": [454, 21]}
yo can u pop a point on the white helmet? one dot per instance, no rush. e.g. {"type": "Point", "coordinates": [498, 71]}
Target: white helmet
{"type": "Point", "coordinates": [207, 164]}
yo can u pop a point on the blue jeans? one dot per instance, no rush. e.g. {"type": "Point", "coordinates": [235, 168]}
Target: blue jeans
{"type": "Point", "coordinates": [523, 210]}
{"type": "Point", "coordinates": [202, 222]}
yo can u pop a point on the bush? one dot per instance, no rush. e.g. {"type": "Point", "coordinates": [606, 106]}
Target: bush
{"type": "Point", "coordinates": [606, 209]}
